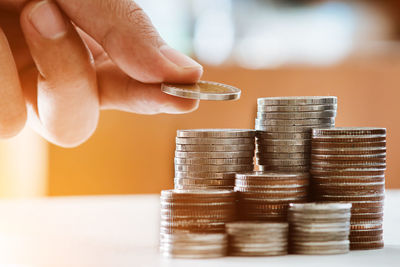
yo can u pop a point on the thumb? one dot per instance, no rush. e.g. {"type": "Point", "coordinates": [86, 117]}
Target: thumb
{"type": "Point", "coordinates": [127, 35]}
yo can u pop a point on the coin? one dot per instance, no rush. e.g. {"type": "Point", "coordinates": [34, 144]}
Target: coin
{"type": "Point", "coordinates": [346, 145]}
{"type": "Point", "coordinates": [283, 142]}
{"type": "Point", "coordinates": [283, 149]}
{"type": "Point", "coordinates": [290, 129]}
{"type": "Point", "coordinates": [215, 155]}
{"type": "Point", "coordinates": [378, 157]}
{"type": "Point", "coordinates": [283, 168]}
{"type": "Point", "coordinates": [216, 133]}
{"type": "Point", "coordinates": [272, 135]}
{"type": "Point", "coordinates": [208, 175]}
{"type": "Point", "coordinates": [214, 148]}
{"type": "Point", "coordinates": [211, 161]}
{"type": "Point", "coordinates": [297, 100]}
{"type": "Point", "coordinates": [219, 182]}
{"type": "Point", "coordinates": [299, 122]}
{"type": "Point", "coordinates": [214, 141]}
{"type": "Point", "coordinates": [296, 115]}
{"type": "Point", "coordinates": [348, 131]}
{"type": "Point", "coordinates": [350, 138]}
{"type": "Point", "coordinates": [213, 168]}
{"type": "Point", "coordinates": [203, 90]}
{"type": "Point", "coordinates": [294, 155]}
{"type": "Point", "coordinates": [297, 108]}
{"type": "Point", "coordinates": [280, 162]}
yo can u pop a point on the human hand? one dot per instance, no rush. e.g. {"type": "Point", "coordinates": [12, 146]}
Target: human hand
{"type": "Point", "coordinates": [58, 75]}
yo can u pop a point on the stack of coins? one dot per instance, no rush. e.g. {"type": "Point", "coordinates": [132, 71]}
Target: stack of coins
{"type": "Point", "coordinates": [284, 126]}
{"type": "Point", "coordinates": [257, 238]}
{"type": "Point", "coordinates": [209, 158]}
{"type": "Point", "coordinates": [348, 165]}
{"type": "Point", "coordinates": [196, 212]}
{"type": "Point", "coordinates": [319, 228]}
{"type": "Point", "coordinates": [265, 196]}
{"type": "Point", "coordinates": [193, 246]}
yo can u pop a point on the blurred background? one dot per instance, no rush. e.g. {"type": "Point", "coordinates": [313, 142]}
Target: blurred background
{"type": "Point", "coordinates": [350, 49]}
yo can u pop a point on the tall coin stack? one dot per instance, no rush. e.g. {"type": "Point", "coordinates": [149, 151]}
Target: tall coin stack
{"type": "Point", "coordinates": [209, 158]}
{"type": "Point", "coordinates": [284, 126]}
{"type": "Point", "coordinates": [265, 196]}
{"type": "Point", "coordinates": [348, 165]}
{"type": "Point", "coordinates": [319, 228]}
{"type": "Point", "coordinates": [193, 222]}
{"type": "Point", "coordinates": [257, 238]}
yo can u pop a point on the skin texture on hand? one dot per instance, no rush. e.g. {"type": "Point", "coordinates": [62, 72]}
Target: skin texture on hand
{"type": "Point", "coordinates": [63, 61]}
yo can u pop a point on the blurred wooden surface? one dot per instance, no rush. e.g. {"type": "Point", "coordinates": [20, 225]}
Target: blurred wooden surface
{"type": "Point", "coordinates": [134, 153]}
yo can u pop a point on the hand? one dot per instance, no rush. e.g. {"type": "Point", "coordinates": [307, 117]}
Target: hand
{"type": "Point", "coordinates": [61, 61]}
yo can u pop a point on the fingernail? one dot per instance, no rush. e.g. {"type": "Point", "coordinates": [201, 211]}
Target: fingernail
{"type": "Point", "coordinates": [178, 58]}
{"type": "Point", "coordinates": [48, 20]}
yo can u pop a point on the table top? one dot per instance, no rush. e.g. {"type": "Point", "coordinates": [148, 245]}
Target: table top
{"type": "Point", "coordinates": [123, 231]}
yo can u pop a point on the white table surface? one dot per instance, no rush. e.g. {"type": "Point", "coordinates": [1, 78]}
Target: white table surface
{"type": "Point", "coordinates": [123, 231]}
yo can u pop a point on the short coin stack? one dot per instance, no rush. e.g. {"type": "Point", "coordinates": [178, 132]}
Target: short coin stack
{"type": "Point", "coordinates": [209, 158]}
{"type": "Point", "coordinates": [319, 228]}
{"type": "Point", "coordinates": [284, 126]}
{"type": "Point", "coordinates": [348, 165]}
{"type": "Point", "coordinates": [191, 221]}
{"type": "Point", "coordinates": [265, 196]}
{"type": "Point", "coordinates": [257, 238]}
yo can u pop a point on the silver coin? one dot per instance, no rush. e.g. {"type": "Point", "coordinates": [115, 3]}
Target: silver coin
{"type": "Point", "coordinates": [297, 100]}
{"type": "Point", "coordinates": [297, 108]}
{"type": "Point", "coordinates": [270, 175]}
{"type": "Point", "coordinates": [214, 141]}
{"type": "Point", "coordinates": [223, 161]}
{"type": "Point", "coordinates": [203, 90]}
{"type": "Point", "coordinates": [281, 136]}
{"type": "Point", "coordinates": [280, 162]}
{"type": "Point", "coordinates": [294, 155]}
{"type": "Point", "coordinates": [283, 142]}
{"type": "Point", "coordinates": [202, 187]}
{"type": "Point", "coordinates": [290, 129]}
{"type": "Point", "coordinates": [296, 115]}
{"type": "Point", "coordinates": [216, 133]}
{"type": "Point", "coordinates": [214, 168]}
{"type": "Point", "coordinates": [283, 149]}
{"type": "Point", "coordinates": [349, 131]}
{"type": "Point", "coordinates": [215, 155]}
{"type": "Point", "coordinates": [214, 148]}
{"type": "Point", "coordinates": [209, 175]}
{"type": "Point", "coordinates": [283, 168]}
{"type": "Point", "coordinates": [217, 182]}
{"type": "Point", "coordinates": [304, 122]}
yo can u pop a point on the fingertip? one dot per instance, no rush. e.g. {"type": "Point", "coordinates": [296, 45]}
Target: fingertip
{"type": "Point", "coordinates": [179, 105]}
{"type": "Point", "coordinates": [12, 124]}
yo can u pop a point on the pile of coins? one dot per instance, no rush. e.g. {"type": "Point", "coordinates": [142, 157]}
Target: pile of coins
{"type": "Point", "coordinates": [348, 165]}
{"type": "Point", "coordinates": [200, 213]}
{"type": "Point", "coordinates": [209, 158]}
{"type": "Point", "coordinates": [284, 126]}
{"type": "Point", "coordinates": [265, 196]}
{"type": "Point", "coordinates": [319, 228]}
{"type": "Point", "coordinates": [193, 246]}
{"type": "Point", "coordinates": [257, 238]}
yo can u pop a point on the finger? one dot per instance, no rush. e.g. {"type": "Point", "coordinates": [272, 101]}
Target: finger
{"type": "Point", "coordinates": [127, 35]}
{"type": "Point", "coordinates": [12, 103]}
{"type": "Point", "coordinates": [119, 91]}
{"type": "Point", "coordinates": [67, 99]}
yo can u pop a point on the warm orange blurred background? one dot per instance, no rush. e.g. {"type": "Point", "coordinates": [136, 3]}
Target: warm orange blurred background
{"type": "Point", "coordinates": [347, 49]}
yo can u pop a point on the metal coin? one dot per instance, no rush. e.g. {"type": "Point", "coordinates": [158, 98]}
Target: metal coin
{"type": "Point", "coordinates": [226, 161]}
{"type": "Point", "coordinates": [350, 138]}
{"type": "Point", "coordinates": [279, 162]}
{"type": "Point", "coordinates": [297, 100]}
{"type": "Point", "coordinates": [209, 175]}
{"type": "Point", "coordinates": [219, 182]}
{"type": "Point", "coordinates": [283, 149]}
{"type": "Point", "coordinates": [203, 90]}
{"type": "Point", "coordinates": [216, 133]}
{"type": "Point", "coordinates": [271, 175]}
{"type": "Point", "coordinates": [203, 187]}
{"type": "Point", "coordinates": [294, 122]}
{"type": "Point", "coordinates": [346, 145]}
{"type": "Point", "coordinates": [283, 142]}
{"type": "Point", "coordinates": [304, 122]}
{"type": "Point", "coordinates": [297, 108]}
{"type": "Point", "coordinates": [179, 194]}
{"type": "Point", "coordinates": [283, 168]}
{"type": "Point", "coordinates": [213, 141]}
{"type": "Point", "coordinates": [215, 155]}
{"type": "Point", "coordinates": [380, 157]}
{"type": "Point", "coordinates": [348, 151]}
{"type": "Point", "coordinates": [349, 131]}
{"type": "Point", "coordinates": [214, 148]}
{"type": "Point", "coordinates": [272, 135]}
{"type": "Point", "coordinates": [291, 129]}
{"type": "Point", "coordinates": [296, 115]}
{"type": "Point", "coordinates": [294, 155]}
{"type": "Point", "coordinates": [214, 168]}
